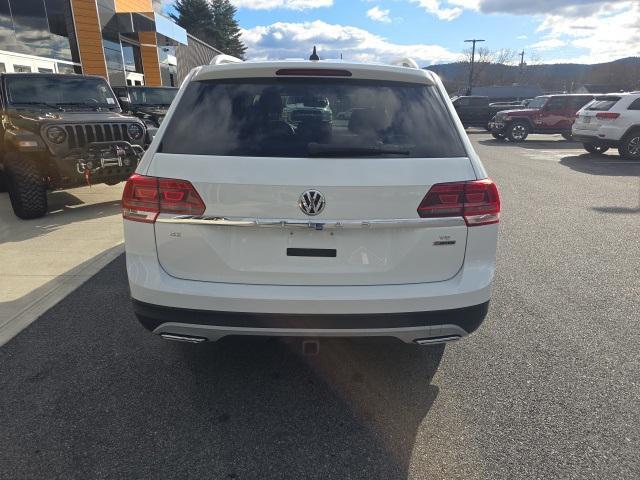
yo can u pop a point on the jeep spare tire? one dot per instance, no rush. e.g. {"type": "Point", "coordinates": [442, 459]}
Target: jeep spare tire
{"type": "Point", "coordinates": [27, 190]}
{"type": "Point", "coordinates": [567, 136]}
{"type": "Point", "coordinates": [596, 148]}
{"type": "Point", "coordinates": [518, 132]}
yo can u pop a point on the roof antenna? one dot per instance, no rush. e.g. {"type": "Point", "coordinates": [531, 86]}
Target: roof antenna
{"type": "Point", "coordinates": [314, 56]}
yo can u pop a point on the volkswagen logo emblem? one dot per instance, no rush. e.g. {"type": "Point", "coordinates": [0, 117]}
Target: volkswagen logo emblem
{"type": "Point", "coordinates": [311, 202]}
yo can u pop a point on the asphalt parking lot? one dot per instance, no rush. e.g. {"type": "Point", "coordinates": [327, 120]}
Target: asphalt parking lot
{"type": "Point", "coordinates": [547, 388]}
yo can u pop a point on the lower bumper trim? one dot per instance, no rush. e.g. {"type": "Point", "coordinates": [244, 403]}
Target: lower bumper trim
{"type": "Point", "coordinates": [581, 138]}
{"type": "Point", "coordinates": [152, 316]}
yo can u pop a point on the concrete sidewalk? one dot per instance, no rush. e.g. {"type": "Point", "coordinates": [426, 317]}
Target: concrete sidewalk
{"type": "Point", "coordinates": [43, 260]}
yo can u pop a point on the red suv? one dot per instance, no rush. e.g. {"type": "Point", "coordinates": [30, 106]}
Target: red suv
{"type": "Point", "coordinates": [544, 114]}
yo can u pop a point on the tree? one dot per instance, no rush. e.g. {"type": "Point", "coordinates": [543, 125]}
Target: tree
{"type": "Point", "coordinates": [226, 28]}
{"type": "Point", "coordinates": [196, 17]}
{"type": "Point", "coordinates": [212, 22]}
{"type": "Point", "coordinates": [482, 59]}
{"type": "Point", "coordinates": [505, 56]}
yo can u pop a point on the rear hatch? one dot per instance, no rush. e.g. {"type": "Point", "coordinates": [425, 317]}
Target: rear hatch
{"type": "Point", "coordinates": [313, 202]}
{"type": "Point", "coordinates": [597, 113]}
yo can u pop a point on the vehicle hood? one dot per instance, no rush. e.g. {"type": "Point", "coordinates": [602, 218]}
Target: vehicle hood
{"type": "Point", "coordinates": [70, 117]}
{"type": "Point", "coordinates": [520, 112]}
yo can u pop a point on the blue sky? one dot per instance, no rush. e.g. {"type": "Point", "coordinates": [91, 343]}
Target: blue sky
{"type": "Point", "coordinates": [432, 31]}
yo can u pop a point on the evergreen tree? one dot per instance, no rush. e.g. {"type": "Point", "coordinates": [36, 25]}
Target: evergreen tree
{"type": "Point", "coordinates": [196, 17]}
{"type": "Point", "coordinates": [226, 29]}
{"type": "Point", "coordinates": [213, 22]}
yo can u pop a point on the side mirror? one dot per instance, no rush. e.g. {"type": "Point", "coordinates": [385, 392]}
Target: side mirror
{"type": "Point", "coordinates": [125, 103]}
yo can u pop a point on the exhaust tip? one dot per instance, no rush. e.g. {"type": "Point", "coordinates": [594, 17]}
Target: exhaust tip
{"type": "Point", "coordinates": [436, 340]}
{"type": "Point", "coordinates": [182, 338]}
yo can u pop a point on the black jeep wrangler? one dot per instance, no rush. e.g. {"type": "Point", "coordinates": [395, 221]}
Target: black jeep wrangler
{"type": "Point", "coordinates": [150, 104]}
{"type": "Point", "coordinates": [62, 131]}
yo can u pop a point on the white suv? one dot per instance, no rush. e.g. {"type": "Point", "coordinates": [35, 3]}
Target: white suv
{"type": "Point", "coordinates": [610, 121]}
{"type": "Point", "coordinates": [379, 222]}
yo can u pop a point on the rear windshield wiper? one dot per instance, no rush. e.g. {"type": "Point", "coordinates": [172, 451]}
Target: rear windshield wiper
{"type": "Point", "coordinates": [317, 149]}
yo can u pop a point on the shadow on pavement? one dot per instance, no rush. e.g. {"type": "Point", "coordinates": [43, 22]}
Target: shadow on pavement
{"type": "Point", "coordinates": [618, 210]}
{"type": "Point", "coordinates": [64, 209]}
{"type": "Point", "coordinates": [609, 165]}
{"type": "Point", "coordinates": [87, 393]}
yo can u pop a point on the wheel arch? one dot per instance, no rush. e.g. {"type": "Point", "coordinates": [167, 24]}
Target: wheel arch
{"type": "Point", "coordinates": [526, 120]}
{"type": "Point", "coordinates": [630, 130]}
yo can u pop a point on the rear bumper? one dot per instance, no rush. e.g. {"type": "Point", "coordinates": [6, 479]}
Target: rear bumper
{"type": "Point", "coordinates": [409, 326]}
{"type": "Point", "coordinates": [582, 138]}
{"type": "Point", "coordinates": [498, 127]}
{"type": "Point", "coordinates": [166, 304]}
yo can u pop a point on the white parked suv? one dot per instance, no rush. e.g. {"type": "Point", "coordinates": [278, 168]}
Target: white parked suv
{"type": "Point", "coordinates": [240, 221]}
{"type": "Point", "coordinates": [610, 121]}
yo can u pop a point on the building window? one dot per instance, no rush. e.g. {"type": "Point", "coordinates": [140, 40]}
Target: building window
{"type": "Point", "coordinates": [38, 27]}
{"type": "Point", "coordinates": [66, 68]}
{"type": "Point", "coordinates": [45, 70]}
{"type": "Point", "coordinates": [111, 42]}
{"type": "Point", "coordinates": [22, 68]}
{"type": "Point", "coordinates": [2, 68]}
{"type": "Point", "coordinates": [132, 57]}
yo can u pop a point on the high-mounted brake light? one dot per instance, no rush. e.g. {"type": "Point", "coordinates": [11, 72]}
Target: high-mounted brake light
{"type": "Point", "coordinates": [144, 198]}
{"type": "Point", "coordinates": [313, 72]}
{"type": "Point", "coordinates": [478, 201]}
{"type": "Point", "coordinates": [607, 115]}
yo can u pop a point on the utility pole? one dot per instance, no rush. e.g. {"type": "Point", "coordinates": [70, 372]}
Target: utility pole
{"type": "Point", "coordinates": [473, 58]}
{"type": "Point", "coordinates": [522, 59]}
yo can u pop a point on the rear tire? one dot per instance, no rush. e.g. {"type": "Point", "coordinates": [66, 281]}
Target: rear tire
{"type": "Point", "coordinates": [27, 190]}
{"type": "Point", "coordinates": [630, 146]}
{"type": "Point", "coordinates": [518, 132]}
{"type": "Point", "coordinates": [498, 136]}
{"type": "Point", "coordinates": [595, 148]}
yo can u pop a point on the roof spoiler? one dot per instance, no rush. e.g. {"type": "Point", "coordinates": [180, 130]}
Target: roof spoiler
{"type": "Point", "coordinates": [405, 62]}
{"type": "Point", "coordinates": [224, 60]}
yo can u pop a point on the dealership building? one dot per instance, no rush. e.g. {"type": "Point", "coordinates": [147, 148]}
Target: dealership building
{"type": "Point", "coordinates": [126, 41]}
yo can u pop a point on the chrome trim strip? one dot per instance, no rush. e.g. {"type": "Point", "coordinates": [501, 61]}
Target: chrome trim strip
{"type": "Point", "coordinates": [310, 224]}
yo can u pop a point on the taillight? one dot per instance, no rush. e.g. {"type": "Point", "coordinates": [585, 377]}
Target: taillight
{"type": "Point", "coordinates": [144, 198]}
{"type": "Point", "coordinates": [478, 201]}
{"type": "Point", "coordinates": [607, 115]}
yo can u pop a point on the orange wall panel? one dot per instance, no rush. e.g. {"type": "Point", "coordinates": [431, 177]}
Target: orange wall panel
{"type": "Point", "coordinates": [133, 6]}
{"type": "Point", "coordinates": [149, 54]}
{"type": "Point", "coordinates": [87, 27]}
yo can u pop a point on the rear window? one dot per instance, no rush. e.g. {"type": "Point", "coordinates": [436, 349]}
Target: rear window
{"type": "Point", "coordinates": [304, 117]}
{"type": "Point", "coordinates": [602, 104]}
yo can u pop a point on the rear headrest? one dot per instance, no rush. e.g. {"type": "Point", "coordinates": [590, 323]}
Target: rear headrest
{"type": "Point", "coordinates": [270, 102]}
{"type": "Point", "coordinates": [365, 121]}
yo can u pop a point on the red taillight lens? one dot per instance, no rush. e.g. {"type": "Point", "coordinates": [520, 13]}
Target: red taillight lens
{"type": "Point", "coordinates": [179, 197]}
{"type": "Point", "coordinates": [144, 198]}
{"type": "Point", "coordinates": [607, 115]}
{"type": "Point", "coordinates": [443, 200]}
{"type": "Point", "coordinates": [478, 201]}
